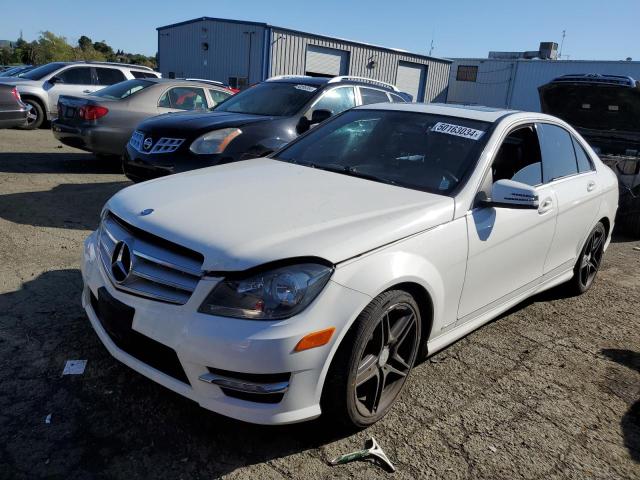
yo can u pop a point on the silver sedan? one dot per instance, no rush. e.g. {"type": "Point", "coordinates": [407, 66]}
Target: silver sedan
{"type": "Point", "coordinates": [103, 122]}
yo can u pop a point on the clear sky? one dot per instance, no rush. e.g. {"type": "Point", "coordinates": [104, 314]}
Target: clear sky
{"type": "Point", "coordinates": [596, 29]}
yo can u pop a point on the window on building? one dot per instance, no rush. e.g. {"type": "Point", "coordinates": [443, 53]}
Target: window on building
{"type": "Point", "coordinates": [76, 76]}
{"type": "Point", "coordinates": [371, 95]}
{"type": "Point", "coordinates": [467, 73]}
{"type": "Point", "coordinates": [109, 76]}
{"type": "Point", "coordinates": [238, 82]}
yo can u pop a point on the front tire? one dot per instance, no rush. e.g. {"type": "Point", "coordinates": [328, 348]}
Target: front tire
{"type": "Point", "coordinates": [35, 117]}
{"type": "Point", "coordinates": [589, 261]}
{"type": "Point", "coordinates": [373, 361]}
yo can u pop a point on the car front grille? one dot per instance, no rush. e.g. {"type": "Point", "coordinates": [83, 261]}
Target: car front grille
{"type": "Point", "coordinates": [142, 264]}
{"type": "Point", "coordinates": [146, 145]}
{"type": "Point", "coordinates": [136, 140]}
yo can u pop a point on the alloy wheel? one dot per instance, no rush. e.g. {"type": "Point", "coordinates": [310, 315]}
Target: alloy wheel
{"type": "Point", "coordinates": [591, 258]}
{"type": "Point", "coordinates": [32, 116]}
{"type": "Point", "coordinates": [387, 358]}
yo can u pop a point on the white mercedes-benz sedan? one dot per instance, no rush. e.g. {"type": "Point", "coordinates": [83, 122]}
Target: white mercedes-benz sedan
{"type": "Point", "coordinates": [276, 289]}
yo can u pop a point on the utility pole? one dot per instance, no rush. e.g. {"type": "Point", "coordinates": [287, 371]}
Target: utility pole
{"type": "Point", "coordinates": [564, 34]}
{"type": "Point", "coordinates": [250, 34]}
{"type": "Point", "coordinates": [431, 48]}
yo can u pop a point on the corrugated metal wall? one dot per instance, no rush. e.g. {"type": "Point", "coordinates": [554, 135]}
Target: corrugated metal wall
{"type": "Point", "coordinates": [288, 55]}
{"type": "Point", "coordinates": [180, 50]}
{"type": "Point", "coordinates": [514, 83]}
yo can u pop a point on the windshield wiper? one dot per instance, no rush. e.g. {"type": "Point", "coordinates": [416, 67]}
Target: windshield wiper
{"type": "Point", "coordinates": [351, 171]}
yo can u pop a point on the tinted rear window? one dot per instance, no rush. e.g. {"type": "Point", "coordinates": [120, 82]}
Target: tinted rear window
{"type": "Point", "coordinates": [109, 76]}
{"type": "Point", "coordinates": [43, 71]}
{"type": "Point", "coordinates": [270, 98]}
{"type": "Point", "coordinates": [123, 89]}
{"type": "Point", "coordinates": [138, 74]}
{"type": "Point", "coordinates": [558, 155]}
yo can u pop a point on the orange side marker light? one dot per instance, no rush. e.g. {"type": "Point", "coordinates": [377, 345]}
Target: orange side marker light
{"type": "Point", "coordinates": [315, 339]}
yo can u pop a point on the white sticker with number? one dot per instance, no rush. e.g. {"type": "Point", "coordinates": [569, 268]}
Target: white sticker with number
{"type": "Point", "coordinates": [306, 88]}
{"type": "Point", "coordinates": [457, 130]}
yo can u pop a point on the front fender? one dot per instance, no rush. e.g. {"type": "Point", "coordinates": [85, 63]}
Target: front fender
{"type": "Point", "coordinates": [435, 260]}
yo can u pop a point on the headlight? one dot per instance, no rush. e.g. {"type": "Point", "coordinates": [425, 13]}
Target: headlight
{"type": "Point", "coordinates": [214, 142]}
{"type": "Point", "coordinates": [269, 295]}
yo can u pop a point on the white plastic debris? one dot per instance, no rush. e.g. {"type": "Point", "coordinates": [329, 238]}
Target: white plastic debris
{"type": "Point", "coordinates": [493, 449]}
{"type": "Point", "coordinates": [74, 367]}
{"type": "Point", "coordinates": [47, 419]}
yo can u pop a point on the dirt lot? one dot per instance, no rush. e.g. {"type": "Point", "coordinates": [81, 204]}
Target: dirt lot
{"type": "Point", "coordinates": [551, 390]}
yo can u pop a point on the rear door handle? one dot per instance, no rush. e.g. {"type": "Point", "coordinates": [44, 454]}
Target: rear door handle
{"type": "Point", "coordinates": [545, 206]}
{"type": "Point", "coordinates": [591, 186]}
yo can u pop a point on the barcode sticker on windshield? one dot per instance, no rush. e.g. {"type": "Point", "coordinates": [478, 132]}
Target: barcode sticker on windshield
{"type": "Point", "coordinates": [306, 88]}
{"type": "Point", "coordinates": [457, 130]}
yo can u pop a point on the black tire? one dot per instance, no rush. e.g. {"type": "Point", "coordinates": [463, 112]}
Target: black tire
{"type": "Point", "coordinates": [36, 115]}
{"type": "Point", "coordinates": [589, 261]}
{"type": "Point", "coordinates": [352, 405]}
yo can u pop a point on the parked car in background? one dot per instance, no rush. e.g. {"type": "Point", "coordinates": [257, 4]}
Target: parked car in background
{"type": "Point", "coordinates": [103, 122]}
{"type": "Point", "coordinates": [16, 71]}
{"type": "Point", "coordinates": [252, 123]}
{"type": "Point", "coordinates": [13, 112]}
{"type": "Point", "coordinates": [605, 109]}
{"type": "Point", "coordinates": [310, 282]}
{"type": "Point", "coordinates": [42, 86]}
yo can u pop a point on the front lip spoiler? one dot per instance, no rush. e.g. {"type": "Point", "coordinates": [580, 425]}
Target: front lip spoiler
{"type": "Point", "coordinates": [243, 385]}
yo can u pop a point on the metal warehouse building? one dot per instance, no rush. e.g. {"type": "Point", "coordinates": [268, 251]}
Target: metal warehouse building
{"type": "Point", "coordinates": [242, 53]}
{"type": "Point", "coordinates": [513, 83]}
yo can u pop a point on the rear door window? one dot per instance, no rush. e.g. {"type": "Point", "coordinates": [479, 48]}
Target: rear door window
{"type": "Point", "coordinates": [397, 98]}
{"type": "Point", "coordinates": [584, 163]}
{"type": "Point", "coordinates": [336, 100]}
{"type": "Point", "coordinates": [109, 76]}
{"type": "Point", "coordinates": [558, 154]}
{"type": "Point", "coordinates": [371, 95]}
{"type": "Point", "coordinates": [218, 97]}
{"type": "Point", "coordinates": [76, 76]}
{"type": "Point", "coordinates": [183, 98]}
{"type": "Point", "coordinates": [138, 74]}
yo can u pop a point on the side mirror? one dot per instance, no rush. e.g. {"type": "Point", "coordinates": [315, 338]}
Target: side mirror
{"type": "Point", "coordinates": [53, 80]}
{"type": "Point", "coordinates": [319, 116]}
{"type": "Point", "coordinates": [512, 194]}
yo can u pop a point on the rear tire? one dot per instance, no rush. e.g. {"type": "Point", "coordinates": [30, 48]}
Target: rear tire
{"type": "Point", "coordinates": [373, 362]}
{"type": "Point", "coordinates": [589, 261]}
{"type": "Point", "coordinates": [35, 118]}
{"type": "Point", "coordinates": [629, 219]}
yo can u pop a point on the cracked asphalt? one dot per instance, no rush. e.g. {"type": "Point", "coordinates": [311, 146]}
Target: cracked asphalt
{"type": "Point", "coordinates": [550, 390]}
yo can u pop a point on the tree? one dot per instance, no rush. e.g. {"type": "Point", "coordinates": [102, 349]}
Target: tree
{"type": "Point", "coordinates": [84, 43]}
{"type": "Point", "coordinates": [104, 48]}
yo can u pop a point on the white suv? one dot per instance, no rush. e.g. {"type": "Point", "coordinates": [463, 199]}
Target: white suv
{"type": "Point", "coordinates": [41, 87]}
{"type": "Point", "coordinates": [274, 289]}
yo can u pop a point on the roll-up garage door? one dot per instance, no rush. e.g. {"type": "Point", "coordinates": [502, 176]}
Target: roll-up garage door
{"type": "Point", "coordinates": [330, 62]}
{"type": "Point", "coordinates": [411, 79]}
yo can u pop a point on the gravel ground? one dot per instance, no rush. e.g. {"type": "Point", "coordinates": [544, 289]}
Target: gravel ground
{"type": "Point", "coordinates": [550, 390]}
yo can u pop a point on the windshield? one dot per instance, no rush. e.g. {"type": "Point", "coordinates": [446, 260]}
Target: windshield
{"type": "Point", "coordinates": [431, 153]}
{"type": "Point", "coordinates": [43, 71]}
{"type": "Point", "coordinates": [270, 98]}
{"type": "Point", "coordinates": [123, 90]}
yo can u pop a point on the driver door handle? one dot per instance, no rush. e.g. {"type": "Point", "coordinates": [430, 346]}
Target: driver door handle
{"type": "Point", "coordinates": [591, 186]}
{"type": "Point", "coordinates": [545, 206]}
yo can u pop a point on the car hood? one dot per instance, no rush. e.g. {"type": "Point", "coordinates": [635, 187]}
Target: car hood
{"type": "Point", "coordinates": [247, 213]}
{"type": "Point", "coordinates": [190, 122]}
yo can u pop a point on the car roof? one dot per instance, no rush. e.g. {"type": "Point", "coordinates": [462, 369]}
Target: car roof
{"type": "Point", "coordinates": [339, 80]}
{"type": "Point", "coordinates": [179, 81]}
{"type": "Point", "coordinates": [473, 112]}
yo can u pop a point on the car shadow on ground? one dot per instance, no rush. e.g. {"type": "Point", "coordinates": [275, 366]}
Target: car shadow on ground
{"type": "Point", "coordinates": [110, 419]}
{"type": "Point", "coordinates": [630, 422]}
{"type": "Point", "coordinates": [63, 162]}
{"type": "Point", "coordinates": [70, 205]}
